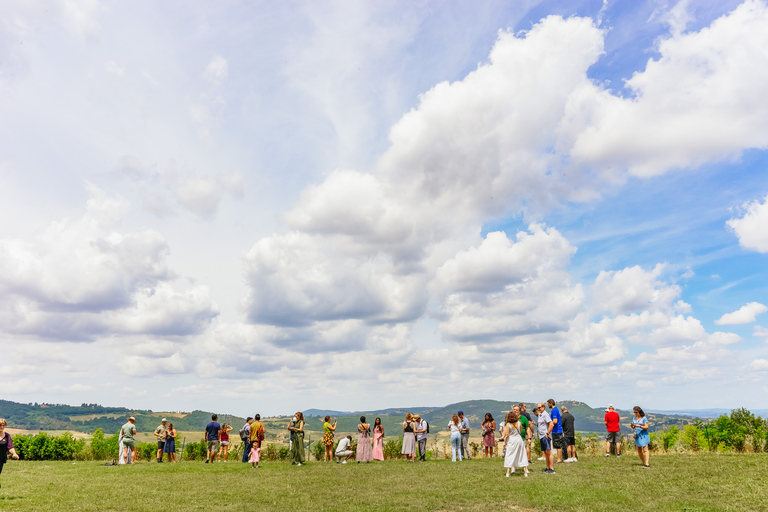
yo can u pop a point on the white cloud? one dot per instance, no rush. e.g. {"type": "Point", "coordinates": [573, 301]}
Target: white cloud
{"type": "Point", "coordinates": [217, 69]}
{"type": "Point", "coordinates": [759, 365]}
{"type": "Point", "coordinates": [761, 332]}
{"type": "Point", "coordinates": [111, 67]}
{"type": "Point", "coordinates": [752, 228]}
{"type": "Point", "coordinates": [631, 289]}
{"type": "Point", "coordinates": [744, 315]}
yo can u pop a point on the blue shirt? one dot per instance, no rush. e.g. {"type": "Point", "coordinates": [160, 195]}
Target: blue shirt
{"type": "Point", "coordinates": [464, 423]}
{"type": "Point", "coordinates": [558, 428]}
{"type": "Point", "coordinates": [212, 429]}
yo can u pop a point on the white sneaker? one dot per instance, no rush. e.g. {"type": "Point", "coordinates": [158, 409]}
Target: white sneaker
{"type": "Point", "coordinates": [299, 464]}
{"type": "Point", "coordinates": [540, 458]}
{"type": "Point", "coordinates": [507, 475]}
{"type": "Point", "coordinates": [344, 462]}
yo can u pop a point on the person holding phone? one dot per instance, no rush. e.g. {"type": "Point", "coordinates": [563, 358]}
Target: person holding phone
{"type": "Point", "coordinates": [328, 430]}
{"type": "Point", "coordinates": [642, 437]}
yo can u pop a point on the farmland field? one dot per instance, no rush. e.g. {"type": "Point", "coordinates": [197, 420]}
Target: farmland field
{"type": "Point", "coordinates": [703, 482]}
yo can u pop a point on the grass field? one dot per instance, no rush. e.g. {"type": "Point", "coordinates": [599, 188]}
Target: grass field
{"type": "Point", "coordinates": [702, 482]}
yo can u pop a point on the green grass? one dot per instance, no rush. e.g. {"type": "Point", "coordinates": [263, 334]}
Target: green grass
{"type": "Point", "coordinates": [701, 482]}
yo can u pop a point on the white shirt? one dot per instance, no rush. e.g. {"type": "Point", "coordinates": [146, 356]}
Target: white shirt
{"type": "Point", "coordinates": [343, 445]}
{"type": "Point", "coordinates": [421, 425]}
{"type": "Point", "coordinates": [454, 427]}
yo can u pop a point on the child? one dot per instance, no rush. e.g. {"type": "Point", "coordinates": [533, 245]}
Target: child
{"type": "Point", "coordinates": [255, 455]}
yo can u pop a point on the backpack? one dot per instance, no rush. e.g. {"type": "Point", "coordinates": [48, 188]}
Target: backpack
{"type": "Point", "coordinates": [425, 421]}
{"type": "Point", "coordinates": [244, 433]}
{"type": "Point", "coordinates": [260, 433]}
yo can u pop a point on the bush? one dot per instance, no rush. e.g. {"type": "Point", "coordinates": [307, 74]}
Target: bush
{"type": "Point", "coordinates": [196, 451]}
{"type": "Point", "coordinates": [269, 453]}
{"type": "Point", "coordinates": [393, 447]}
{"type": "Point", "coordinates": [283, 452]}
{"type": "Point", "coordinates": [146, 451]}
{"type": "Point", "coordinates": [318, 451]}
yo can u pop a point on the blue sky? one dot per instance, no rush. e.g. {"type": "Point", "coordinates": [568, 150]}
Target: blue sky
{"type": "Point", "coordinates": [335, 203]}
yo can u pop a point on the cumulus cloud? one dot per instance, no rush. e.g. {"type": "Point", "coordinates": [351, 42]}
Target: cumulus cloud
{"type": "Point", "coordinates": [631, 289]}
{"type": "Point", "coordinates": [761, 332]}
{"type": "Point", "coordinates": [752, 228]}
{"type": "Point", "coordinates": [217, 69]}
{"type": "Point", "coordinates": [744, 315]}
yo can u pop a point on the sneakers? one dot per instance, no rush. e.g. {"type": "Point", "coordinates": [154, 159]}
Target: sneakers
{"type": "Point", "coordinates": [618, 456]}
{"type": "Point", "coordinates": [607, 454]}
{"type": "Point", "coordinates": [507, 475]}
{"type": "Point", "coordinates": [526, 474]}
{"type": "Point", "coordinates": [299, 464]}
{"type": "Point", "coordinates": [344, 462]}
{"type": "Point", "coordinates": [207, 461]}
{"type": "Point", "coordinates": [551, 471]}
{"type": "Point", "coordinates": [646, 466]}
{"type": "Point", "coordinates": [540, 458]}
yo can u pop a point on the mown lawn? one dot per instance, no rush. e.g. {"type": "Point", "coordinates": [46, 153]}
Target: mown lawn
{"type": "Point", "coordinates": [675, 482]}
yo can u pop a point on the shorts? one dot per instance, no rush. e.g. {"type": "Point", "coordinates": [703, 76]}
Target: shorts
{"type": "Point", "coordinates": [130, 443]}
{"type": "Point", "coordinates": [557, 440]}
{"type": "Point", "coordinates": [545, 444]}
{"type": "Point", "coordinates": [569, 441]}
{"type": "Point", "coordinates": [613, 437]}
{"type": "Point", "coordinates": [160, 445]}
{"type": "Point", "coordinates": [345, 453]}
{"type": "Point", "coordinates": [213, 446]}
{"type": "Point", "coordinates": [225, 443]}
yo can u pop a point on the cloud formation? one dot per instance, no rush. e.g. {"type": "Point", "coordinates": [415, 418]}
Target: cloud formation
{"type": "Point", "coordinates": [752, 227]}
{"type": "Point", "coordinates": [745, 315]}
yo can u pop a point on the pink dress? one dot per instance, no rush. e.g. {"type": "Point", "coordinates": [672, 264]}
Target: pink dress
{"type": "Point", "coordinates": [489, 440]}
{"type": "Point", "coordinates": [378, 444]}
{"type": "Point", "coordinates": [255, 454]}
{"type": "Point", "coordinates": [364, 452]}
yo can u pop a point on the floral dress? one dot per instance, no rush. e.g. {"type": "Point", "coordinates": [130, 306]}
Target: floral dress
{"type": "Point", "coordinates": [328, 434]}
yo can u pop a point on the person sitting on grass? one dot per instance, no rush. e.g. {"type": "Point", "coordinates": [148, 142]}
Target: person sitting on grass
{"type": "Point", "coordinates": [344, 450]}
{"type": "Point", "coordinates": [642, 437]}
{"type": "Point", "coordinates": [212, 438]}
{"type": "Point", "coordinates": [224, 441]}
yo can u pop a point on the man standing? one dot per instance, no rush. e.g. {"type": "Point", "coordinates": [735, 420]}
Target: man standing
{"type": "Point", "coordinates": [257, 433]}
{"type": "Point", "coordinates": [569, 435]}
{"type": "Point", "coordinates": [531, 433]}
{"type": "Point", "coordinates": [612, 420]}
{"type": "Point", "coordinates": [557, 430]}
{"type": "Point", "coordinates": [245, 436]}
{"type": "Point", "coordinates": [343, 450]}
{"type": "Point", "coordinates": [421, 437]}
{"type": "Point", "coordinates": [464, 431]}
{"type": "Point", "coordinates": [161, 433]}
{"type": "Point", "coordinates": [545, 424]}
{"type": "Point", "coordinates": [129, 430]}
{"type": "Point", "coordinates": [212, 438]}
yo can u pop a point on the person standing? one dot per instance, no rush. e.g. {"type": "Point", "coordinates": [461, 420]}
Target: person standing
{"type": "Point", "coordinates": [212, 438]}
{"type": "Point", "coordinates": [297, 445]}
{"type": "Point", "coordinates": [422, 432]}
{"type": "Point", "coordinates": [378, 440]}
{"type": "Point", "coordinates": [6, 445]}
{"type": "Point", "coordinates": [612, 425]}
{"type": "Point", "coordinates": [557, 430]}
{"type": "Point", "coordinates": [328, 430]}
{"type": "Point", "coordinates": [489, 431]}
{"type": "Point", "coordinates": [569, 435]}
{"type": "Point", "coordinates": [514, 448]}
{"type": "Point", "coordinates": [642, 437]}
{"type": "Point", "coordinates": [245, 436]}
{"type": "Point", "coordinates": [409, 437]}
{"type": "Point", "coordinates": [530, 434]}
{"type": "Point", "coordinates": [292, 424]}
{"type": "Point", "coordinates": [545, 424]}
{"type": "Point", "coordinates": [170, 443]}
{"type": "Point", "coordinates": [224, 441]}
{"type": "Point", "coordinates": [256, 435]}
{"type": "Point", "coordinates": [128, 431]}
{"type": "Point", "coordinates": [160, 433]}
{"type": "Point", "coordinates": [455, 428]}
{"type": "Point", "coordinates": [464, 428]}
{"type": "Point", "coordinates": [526, 433]}
{"type": "Point", "coordinates": [344, 450]}
{"type": "Point", "coordinates": [364, 449]}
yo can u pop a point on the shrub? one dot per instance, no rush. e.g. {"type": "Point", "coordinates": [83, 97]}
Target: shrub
{"type": "Point", "coordinates": [318, 451]}
{"type": "Point", "coordinates": [146, 451]}
{"type": "Point", "coordinates": [474, 448]}
{"type": "Point", "coordinates": [196, 451]}
{"type": "Point", "coordinates": [269, 453]}
{"type": "Point", "coordinates": [393, 447]}
{"type": "Point", "coordinates": [283, 452]}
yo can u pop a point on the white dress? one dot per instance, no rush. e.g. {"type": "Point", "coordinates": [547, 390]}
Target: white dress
{"type": "Point", "coordinates": [515, 455]}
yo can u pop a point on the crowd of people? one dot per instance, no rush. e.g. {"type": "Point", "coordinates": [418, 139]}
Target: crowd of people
{"type": "Point", "coordinates": [553, 426]}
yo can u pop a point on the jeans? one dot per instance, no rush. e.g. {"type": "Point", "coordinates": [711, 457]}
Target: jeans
{"type": "Point", "coordinates": [456, 445]}
{"type": "Point", "coordinates": [422, 448]}
{"type": "Point", "coordinates": [465, 445]}
{"type": "Point", "coordinates": [246, 450]}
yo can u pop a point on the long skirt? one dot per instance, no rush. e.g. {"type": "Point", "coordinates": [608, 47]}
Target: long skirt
{"type": "Point", "coordinates": [364, 449]}
{"type": "Point", "coordinates": [378, 446]}
{"type": "Point", "coordinates": [297, 448]}
{"type": "Point", "coordinates": [409, 443]}
{"type": "Point", "coordinates": [515, 455]}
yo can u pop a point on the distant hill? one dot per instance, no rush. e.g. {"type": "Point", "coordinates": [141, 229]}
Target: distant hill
{"type": "Point", "coordinates": [88, 417]}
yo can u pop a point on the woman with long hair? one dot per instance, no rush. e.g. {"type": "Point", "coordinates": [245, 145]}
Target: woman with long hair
{"type": "Point", "coordinates": [409, 438]}
{"type": "Point", "coordinates": [364, 451]}
{"type": "Point", "coordinates": [298, 456]}
{"type": "Point", "coordinates": [170, 443]}
{"type": "Point", "coordinates": [453, 425]}
{"type": "Point", "coordinates": [515, 455]}
{"type": "Point", "coordinates": [642, 438]}
{"type": "Point", "coordinates": [378, 440]}
{"type": "Point", "coordinates": [328, 430]}
{"type": "Point", "coordinates": [489, 430]}
{"type": "Point", "coordinates": [224, 440]}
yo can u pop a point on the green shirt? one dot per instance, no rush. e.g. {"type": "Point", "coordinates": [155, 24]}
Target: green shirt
{"type": "Point", "coordinates": [524, 422]}
{"type": "Point", "coordinates": [162, 431]}
{"type": "Point", "coordinates": [128, 429]}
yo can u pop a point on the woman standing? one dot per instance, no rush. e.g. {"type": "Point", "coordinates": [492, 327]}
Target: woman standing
{"type": "Point", "coordinates": [328, 430]}
{"type": "Point", "coordinates": [489, 432]}
{"type": "Point", "coordinates": [455, 437]}
{"type": "Point", "coordinates": [6, 445]}
{"type": "Point", "coordinates": [515, 455]}
{"type": "Point", "coordinates": [170, 443]}
{"type": "Point", "coordinates": [297, 446]}
{"type": "Point", "coordinates": [378, 440]}
{"type": "Point", "coordinates": [364, 450]}
{"type": "Point", "coordinates": [224, 439]}
{"type": "Point", "coordinates": [642, 437]}
{"type": "Point", "coordinates": [409, 438]}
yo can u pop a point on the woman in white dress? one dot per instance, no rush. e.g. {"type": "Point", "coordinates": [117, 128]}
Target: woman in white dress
{"type": "Point", "coordinates": [514, 447]}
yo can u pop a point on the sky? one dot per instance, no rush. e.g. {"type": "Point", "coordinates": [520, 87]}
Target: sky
{"type": "Point", "coordinates": [273, 206]}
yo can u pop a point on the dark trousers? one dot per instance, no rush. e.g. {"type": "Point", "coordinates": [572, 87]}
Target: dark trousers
{"type": "Point", "coordinates": [465, 445]}
{"type": "Point", "coordinates": [246, 450]}
{"type": "Point", "coordinates": [422, 448]}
